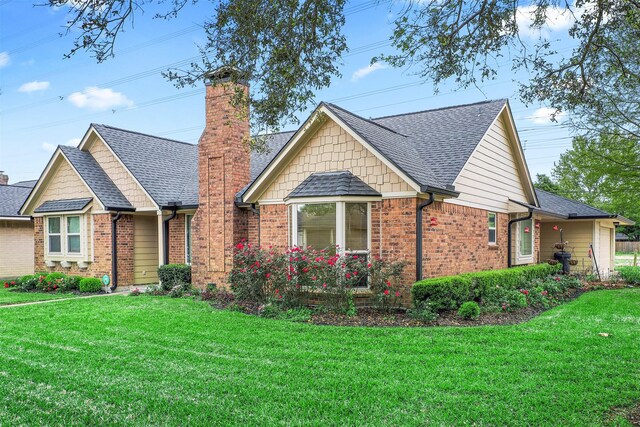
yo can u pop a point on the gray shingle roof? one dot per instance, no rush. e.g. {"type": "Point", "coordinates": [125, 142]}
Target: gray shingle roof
{"type": "Point", "coordinates": [29, 184]}
{"type": "Point", "coordinates": [11, 199]}
{"type": "Point", "coordinates": [63, 205]}
{"type": "Point", "coordinates": [342, 183]}
{"type": "Point", "coordinates": [164, 167]}
{"type": "Point", "coordinates": [96, 178]}
{"type": "Point", "coordinates": [562, 206]}
{"type": "Point", "coordinates": [273, 144]}
{"type": "Point", "coordinates": [444, 138]}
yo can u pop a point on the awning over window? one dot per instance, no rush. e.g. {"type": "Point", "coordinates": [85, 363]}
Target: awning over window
{"type": "Point", "coordinates": [331, 184]}
{"type": "Point", "coordinates": [66, 205]}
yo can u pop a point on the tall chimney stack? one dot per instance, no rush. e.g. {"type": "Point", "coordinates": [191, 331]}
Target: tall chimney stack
{"type": "Point", "coordinates": [4, 179]}
{"type": "Point", "coordinates": [223, 170]}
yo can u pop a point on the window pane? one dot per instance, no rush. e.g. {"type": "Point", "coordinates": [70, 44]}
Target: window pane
{"type": "Point", "coordinates": [317, 225]}
{"type": "Point", "coordinates": [54, 244]}
{"type": "Point", "coordinates": [492, 220]}
{"type": "Point", "coordinates": [492, 236]}
{"type": "Point", "coordinates": [526, 238]}
{"type": "Point", "coordinates": [356, 226]}
{"type": "Point", "coordinates": [54, 225]}
{"type": "Point", "coordinates": [188, 238]}
{"type": "Point", "coordinates": [73, 224]}
{"type": "Point", "coordinates": [73, 244]}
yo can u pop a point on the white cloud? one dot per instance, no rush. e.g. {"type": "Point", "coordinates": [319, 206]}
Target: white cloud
{"type": "Point", "coordinates": [74, 142]}
{"type": "Point", "coordinates": [34, 86]}
{"type": "Point", "coordinates": [542, 116]}
{"type": "Point", "coordinates": [4, 59]}
{"type": "Point", "coordinates": [558, 19]}
{"type": "Point", "coordinates": [95, 98]}
{"type": "Point", "coordinates": [365, 71]}
{"type": "Point", "coordinates": [50, 148]}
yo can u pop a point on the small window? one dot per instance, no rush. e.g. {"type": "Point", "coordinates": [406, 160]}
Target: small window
{"type": "Point", "coordinates": [55, 237]}
{"type": "Point", "coordinates": [492, 228]}
{"type": "Point", "coordinates": [526, 238]}
{"type": "Point", "coordinates": [187, 246]}
{"type": "Point", "coordinates": [73, 234]}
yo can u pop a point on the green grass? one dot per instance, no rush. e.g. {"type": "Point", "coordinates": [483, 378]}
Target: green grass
{"type": "Point", "coordinates": [8, 297]}
{"type": "Point", "coordinates": [161, 361]}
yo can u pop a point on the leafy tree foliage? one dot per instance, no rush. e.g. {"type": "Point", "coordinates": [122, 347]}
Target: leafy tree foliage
{"type": "Point", "coordinates": [290, 48]}
{"type": "Point", "coordinates": [544, 182]}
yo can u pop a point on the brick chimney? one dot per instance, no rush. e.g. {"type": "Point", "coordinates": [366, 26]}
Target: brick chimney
{"type": "Point", "coordinates": [4, 179]}
{"type": "Point", "coordinates": [223, 170]}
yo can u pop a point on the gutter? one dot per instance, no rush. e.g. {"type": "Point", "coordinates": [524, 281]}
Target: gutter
{"type": "Point", "coordinates": [510, 234]}
{"type": "Point", "coordinates": [429, 201]}
{"type": "Point", "coordinates": [256, 211]}
{"type": "Point", "coordinates": [444, 191]}
{"type": "Point", "coordinates": [114, 251]}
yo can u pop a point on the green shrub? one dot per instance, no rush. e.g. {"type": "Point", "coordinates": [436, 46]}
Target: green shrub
{"type": "Point", "coordinates": [423, 312]}
{"type": "Point", "coordinates": [179, 290]}
{"type": "Point", "coordinates": [52, 282]}
{"type": "Point", "coordinates": [29, 282]}
{"type": "Point", "coordinates": [72, 283]}
{"type": "Point", "coordinates": [630, 275]}
{"type": "Point", "coordinates": [90, 284]}
{"type": "Point", "coordinates": [469, 310]}
{"type": "Point", "coordinates": [444, 293]}
{"type": "Point", "coordinates": [171, 275]}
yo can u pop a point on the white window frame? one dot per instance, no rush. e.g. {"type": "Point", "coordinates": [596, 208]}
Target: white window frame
{"type": "Point", "coordinates": [494, 228]}
{"type": "Point", "coordinates": [64, 253]}
{"type": "Point", "coordinates": [520, 258]}
{"type": "Point", "coordinates": [68, 234]}
{"type": "Point", "coordinates": [340, 225]}
{"type": "Point", "coordinates": [188, 218]}
{"type": "Point", "coordinates": [60, 234]}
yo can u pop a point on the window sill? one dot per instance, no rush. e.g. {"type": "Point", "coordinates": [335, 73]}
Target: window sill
{"type": "Point", "coordinates": [493, 246]}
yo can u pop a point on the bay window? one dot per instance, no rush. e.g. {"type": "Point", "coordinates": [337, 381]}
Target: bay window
{"type": "Point", "coordinates": [64, 235]}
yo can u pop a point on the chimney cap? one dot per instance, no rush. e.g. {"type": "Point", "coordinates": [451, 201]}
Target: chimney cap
{"type": "Point", "coordinates": [224, 74]}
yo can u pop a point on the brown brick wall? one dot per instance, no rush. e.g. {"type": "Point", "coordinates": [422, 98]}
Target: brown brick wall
{"type": "Point", "coordinates": [274, 226]}
{"type": "Point", "coordinates": [101, 253]}
{"type": "Point", "coordinates": [253, 231]}
{"type": "Point", "coordinates": [223, 170]}
{"type": "Point", "coordinates": [177, 240]}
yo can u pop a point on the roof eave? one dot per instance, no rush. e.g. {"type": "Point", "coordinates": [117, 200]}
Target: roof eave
{"type": "Point", "coordinates": [441, 191]}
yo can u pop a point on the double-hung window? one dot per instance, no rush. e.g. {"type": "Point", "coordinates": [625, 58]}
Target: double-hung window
{"type": "Point", "coordinates": [492, 228]}
{"type": "Point", "coordinates": [64, 235]}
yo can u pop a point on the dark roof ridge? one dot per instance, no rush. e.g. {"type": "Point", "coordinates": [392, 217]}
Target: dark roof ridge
{"type": "Point", "coordinates": [275, 133]}
{"type": "Point", "coordinates": [364, 118]}
{"type": "Point", "coordinates": [572, 200]}
{"type": "Point", "coordinates": [144, 134]}
{"type": "Point", "coordinates": [486, 101]}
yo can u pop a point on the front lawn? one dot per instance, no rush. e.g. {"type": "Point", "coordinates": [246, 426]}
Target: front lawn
{"type": "Point", "coordinates": [161, 361]}
{"type": "Point", "coordinates": [8, 297]}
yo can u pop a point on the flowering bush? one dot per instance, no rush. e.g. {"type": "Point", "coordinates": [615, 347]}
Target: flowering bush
{"type": "Point", "coordinates": [135, 292]}
{"type": "Point", "coordinates": [300, 276]}
{"type": "Point", "coordinates": [52, 282]}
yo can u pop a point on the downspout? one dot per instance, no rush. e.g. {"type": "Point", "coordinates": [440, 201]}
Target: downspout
{"type": "Point", "coordinates": [166, 235]}
{"type": "Point", "coordinates": [114, 251]}
{"type": "Point", "coordinates": [510, 234]}
{"type": "Point", "coordinates": [256, 211]}
{"type": "Point", "coordinates": [429, 201]}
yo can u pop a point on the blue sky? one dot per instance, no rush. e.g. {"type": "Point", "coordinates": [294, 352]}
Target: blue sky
{"type": "Point", "coordinates": [46, 100]}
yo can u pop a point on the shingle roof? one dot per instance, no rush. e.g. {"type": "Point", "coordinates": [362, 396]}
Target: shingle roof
{"type": "Point", "coordinates": [342, 183]}
{"type": "Point", "coordinates": [562, 206]}
{"type": "Point", "coordinates": [96, 178]}
{"type": "Point", "coordinates": [164, 167]}
{"type": "Point", "coordinates": [63, 205]}
{"type": "Point", "coordinates": [11, 199]}
{"type": "Point", "coordinates": [444, 138]}
{"type": "Point", "coordinates": [273, 144]}
{"type": "Point", "coordinates": [27, 184]}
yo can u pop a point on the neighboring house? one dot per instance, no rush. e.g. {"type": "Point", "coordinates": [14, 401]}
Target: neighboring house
{"type": "Point", "coordinates": [16, 231]}
{"type": "Point", "coordinates": [621, 237]}
{"type": "Point", "coordinates": [446, 191]}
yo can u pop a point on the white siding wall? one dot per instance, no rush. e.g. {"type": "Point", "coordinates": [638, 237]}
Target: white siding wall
{"type": "Point", "coordinates": [16, 248]}
{"type": "Point", "coordinates": [490, 178]}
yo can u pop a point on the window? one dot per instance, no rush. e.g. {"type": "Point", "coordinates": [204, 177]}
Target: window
{"type": "Point", "coordinates": [73, 234]}
{"type": "Point", "coordinates": [187, 245]}
{"type": "Point", "coordinates": [325, 225]}
{"type": "Point", "coordinates": [64, 235]}
{"type": "Point", "coordinates": [55, 235]}
{"type": "Point", "coordinates": [492, 228]}
{"type": "Point", "coordinates": [525, 241]}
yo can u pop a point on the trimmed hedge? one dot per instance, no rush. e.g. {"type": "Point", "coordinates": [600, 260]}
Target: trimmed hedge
{"type": "Point", "coordinates": [171, 275]}
{"type": "Point", "coordinates": [450, 292]}
{"type": "Point", "coordinates": [90, 284]}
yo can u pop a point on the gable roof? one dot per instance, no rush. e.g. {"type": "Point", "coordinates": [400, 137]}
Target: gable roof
{"type": "Point", "coordinates": [96, 178]}
{"type": "Point", "coordinates": [164, 167]}
{"type": "Point", "coordinates": [11, 199]}
{"type": "Point", "coordinates": [342, 183]}
{"type": "Point", "coordinates": [571, 209]}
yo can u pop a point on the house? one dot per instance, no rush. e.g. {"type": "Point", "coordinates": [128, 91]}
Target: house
{"type": "Point", "coordinates": [16, 231]}
{"type": "Point", "coordinates": [445, 190]}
